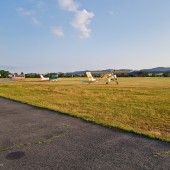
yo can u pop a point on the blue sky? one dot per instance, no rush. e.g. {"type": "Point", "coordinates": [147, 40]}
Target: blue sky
{"type": "Point", "coordinates": [70, 35]}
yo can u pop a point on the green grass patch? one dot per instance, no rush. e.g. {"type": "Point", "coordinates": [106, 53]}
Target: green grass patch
{"type": "Point", "coordinates": [162, 153]}
{"type": "Point", "coordinates": [140, 105]}
{"type": "Point", "coordinates": [40, 142]}
{"type": "Point", "coordinates": [37, 142]}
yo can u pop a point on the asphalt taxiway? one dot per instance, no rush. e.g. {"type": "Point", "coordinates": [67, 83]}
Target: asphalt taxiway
{"type": "Point", "coordinates": [34, 138]}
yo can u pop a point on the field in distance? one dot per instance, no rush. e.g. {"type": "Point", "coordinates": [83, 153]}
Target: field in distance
{"type": "Point", "coordinates": [140, 105]}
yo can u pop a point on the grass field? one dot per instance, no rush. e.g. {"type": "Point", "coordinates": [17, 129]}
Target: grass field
{"type": "Point", "coordinates": [140, 105]}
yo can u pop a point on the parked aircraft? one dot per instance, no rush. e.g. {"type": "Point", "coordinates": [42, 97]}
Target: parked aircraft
{"type": "Point", "coordinates": [17, 76]}
{"type": "Point", "coordinates": [90, 77]}
{"type": "Point", "coordinates": [51, 78]}
{"type": "Point", "coordinates": [107, 77]}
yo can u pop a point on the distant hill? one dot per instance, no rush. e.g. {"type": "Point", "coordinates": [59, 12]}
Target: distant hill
{"type": "Point", "coordinates": [152, 70]}
{"type": "Point", "coordinates": [157, 69]}
{"type": "Point", "coordinates": [100, 71]}
{"type": "Point", "coordinates": [120, 72]}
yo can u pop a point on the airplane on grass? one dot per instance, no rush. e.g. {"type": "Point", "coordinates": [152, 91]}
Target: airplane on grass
{"type": "Point", "coordinates": [108, 77]}
{"type": "Point", "coordinates": [51, 78]}
{"type": "Point", "coordinates": [17, 76]}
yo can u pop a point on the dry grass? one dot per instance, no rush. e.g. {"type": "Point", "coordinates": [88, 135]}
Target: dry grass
{"type": "Point", "coordinates": [140, 105]}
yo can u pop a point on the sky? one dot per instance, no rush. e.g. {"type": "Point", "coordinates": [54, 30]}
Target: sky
{"type": "Point", "coordinates": [40, 36]}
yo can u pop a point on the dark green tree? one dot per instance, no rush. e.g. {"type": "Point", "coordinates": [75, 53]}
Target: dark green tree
{"type": "Point", "coordinates": [4, 74]}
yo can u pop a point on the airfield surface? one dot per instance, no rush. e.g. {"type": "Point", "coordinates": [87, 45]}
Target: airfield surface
{"type": "Point", "coordinates": [33, 138]}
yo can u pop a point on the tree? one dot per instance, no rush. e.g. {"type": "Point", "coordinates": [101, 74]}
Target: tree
{"type": "Point", "coordinates": [166, 74]}
{"type": "Point", "coordinates": [4, 74]}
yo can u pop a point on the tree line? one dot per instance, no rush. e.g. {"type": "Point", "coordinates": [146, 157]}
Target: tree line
{"type": "Point", "coordinates": [144, 74]}
{"type": "Point", "coordinates": [5, 74]}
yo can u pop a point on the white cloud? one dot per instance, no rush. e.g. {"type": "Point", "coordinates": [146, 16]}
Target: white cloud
{"type": "Point", "coordinates": [81, 21]}
{"type": "Point", "coordinates": [40, 3]}
{"type": "Point", "coordinates": [35, 21]}
{"type": "Point", "coordinates": [24, 12]}
{"type": "Point", "coordinates": [111, 13]}
{"type": "Point", "coordinates": [58, 31]}
{"type": "Point", "coordinates": [69, 5]}
{"type": "Point", "coordinates": [29, 14]}
{"type": "Point", "coordinates": [30, 0]}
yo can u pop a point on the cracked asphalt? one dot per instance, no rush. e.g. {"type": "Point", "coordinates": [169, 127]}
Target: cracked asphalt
{"type": "Point", "coordinates": [34, 138]}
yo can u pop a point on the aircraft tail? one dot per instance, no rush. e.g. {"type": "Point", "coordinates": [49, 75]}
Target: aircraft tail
{"type": "Point", "coordinates": [41, 76]}
{"type": "Point", "coordinates": [90, 77]}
